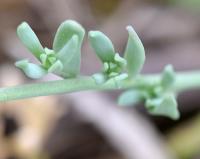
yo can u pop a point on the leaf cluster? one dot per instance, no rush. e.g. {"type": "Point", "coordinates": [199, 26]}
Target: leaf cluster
{"type": "Point", "coordinates": [64, 59]}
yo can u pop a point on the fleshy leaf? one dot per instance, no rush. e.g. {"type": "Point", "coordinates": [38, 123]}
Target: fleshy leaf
{"type": "Point", "coordinates": [56, 67]}
{"type": "Point", "coordinates": [70, 57]}
{"type": "Point", "coordinates": [43, 59]}
{"type": "Point", "coordinates": [130, 97]}
{"type": "Point", "coordinates": [118, 78]}
{"type": "Point", "coordinates": [121, 77]}
{"type": "Point", "coordinates": [165, 106]}
{"type": "Point", "coordinates": [168, 77]}
{"type": "Point", "coordinates": [31, 70]}
{"type": "Point", "coordinates": [65, 32]}
{"type": "Point", "coordinates": [29, 39]}
{"type": "Point", "coordinates": [134, 53]}
{"type": "Point", "coordinates": [99, 78]}
{"type": "Point", "coordinates": [102, 45]}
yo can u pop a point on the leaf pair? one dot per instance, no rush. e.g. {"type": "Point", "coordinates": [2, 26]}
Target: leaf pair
{"type": "Point", "coordinates": [165, 102]}
{"type": "Point", "coordinates": [113, 64]}
{"type": "Point", "coordinates": [165, 106]}
{"type": "Point", "coordinates": [63, 60]}
{"type": "Point", "coordinates": [134, 55]}
{"type": "Point", "coordinates": [158, 99]}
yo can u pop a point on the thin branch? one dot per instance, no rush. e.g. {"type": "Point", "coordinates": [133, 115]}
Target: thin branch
{"type": "Point", "coordinates": [184, 81]}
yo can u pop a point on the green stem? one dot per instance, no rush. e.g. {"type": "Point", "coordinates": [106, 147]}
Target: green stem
{"type": "Point", "coordinates": [187, 80]}
{"type": "Point", "coordinates": [184, 81]}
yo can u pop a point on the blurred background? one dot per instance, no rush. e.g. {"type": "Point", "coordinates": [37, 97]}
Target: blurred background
{"type": "Point", "coordinates": [90, 125]}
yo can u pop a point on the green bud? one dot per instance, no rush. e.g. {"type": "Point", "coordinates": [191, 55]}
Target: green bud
{"type": "Point", "coordinates": [168, 77]}
{"type": "Point", "coordinates": [106, 67]}
{"type": "Point", "coordinates": [29, 39]}
{"type": "Point", "coordinates": [122, 62]}
{"type": "Point", "coordinates": [31, 70]}
{"type": "Point", "coordinates": [43, 59]}
{"type": "Point", "coordinates": [52, 60]}
{"type": "Point", "coordinates": [65, 32]}
{"type": "Point", "coordinates": [134, 53]}
{"type": "Point", "coordinates": [102, 45]}
{"type": "Point", "coordinates": [48, 58]}
{"type": "Point", "coordinates": [49, 52]}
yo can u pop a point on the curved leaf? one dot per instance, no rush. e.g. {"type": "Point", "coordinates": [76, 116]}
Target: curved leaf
{"type": "Point", "coordinates": [29, 39]}
{"type": "Point", "coordinates": [31, 70]}
{"type": "Point", "coordinates": [102, 46]}
{"type": "Point", "coordinates": [130, 97]}
{"type": "Point", "coordinates": [70, 57]}
{"type": "Point", "coordinates": [134, 53]}
{"type": "Point", "coordinates": [65, 32]}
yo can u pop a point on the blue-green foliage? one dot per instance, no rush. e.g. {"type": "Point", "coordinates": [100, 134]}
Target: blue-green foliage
{"type": "Point", "coordinates": [65, 57]}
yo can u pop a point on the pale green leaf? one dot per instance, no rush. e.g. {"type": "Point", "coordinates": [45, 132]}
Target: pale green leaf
{"type": "Point", "coordinates": [56, 68]}
{"type": "Point", "coordinates": [134, 53]}
{"type": "Point", "coordinates": [130, 97]}
{"type": "Point", "coordinates": [164, 106]}
{"type": "Point", "coordinates": [99, 78]}
{"type": "Point", "coordinates": [29, 39]}
{"type": "Point", "coordinates": [102, 46]}
{"type": "Point", "coordinates": [31, 70]}
{"type": "Point", "coordinates": [70, 57]}
{"type": "Point", "coordinates": [65, 32]}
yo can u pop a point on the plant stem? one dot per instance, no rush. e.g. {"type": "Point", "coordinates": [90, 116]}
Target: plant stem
{"type": "Point", "coordinates": [184, 81]}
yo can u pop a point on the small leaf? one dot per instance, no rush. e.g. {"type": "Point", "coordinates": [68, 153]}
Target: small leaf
{"type": "Point", "coordinates": [165, 106]}
{"type": "Point", "coordinates": [52, 60]}
{"type": "Point", "coordinates": [134, 53]}
{"type": "Point", "coordinates": [99, 78]}
{"type": "Point", "coordinates": [168, 77]}
{"type": "Point", "coordinates": [117, 78]}
{"type": "Point", "coordinates": [130, 97]}
{"type": "Point", "coordinates": [31, 70]}
{"type": "Point", "coordinates": [122, 62]}
{"type": "Point", "coordinates": [65, 32]}
{"type": "Point", "coordinates": [49, 52]}
{"type": "Point", "coordinates": [56, 68]}
{"type": "Point", "coordinates": [102, 46]}
{"type": "Point", "coordinates": [29, 39]}
{"type": "Point", "coordinates": [121, 77]}
{"type": "Point", "coordinates": [43, 59]}
{"type": "Point", "coordinates": [70, 57]}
